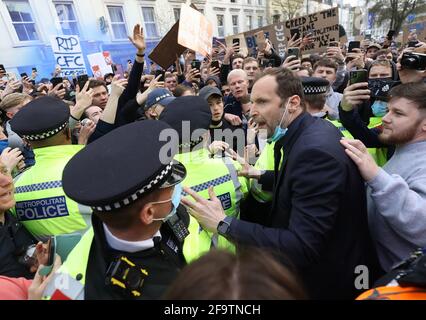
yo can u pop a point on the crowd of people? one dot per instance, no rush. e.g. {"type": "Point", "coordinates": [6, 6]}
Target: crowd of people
{"type": "Point", "coordinates": [234, 177]}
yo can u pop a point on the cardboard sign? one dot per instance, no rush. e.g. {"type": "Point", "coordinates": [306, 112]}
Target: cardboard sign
{"type": "Point", "coordinates": [243, 44]}
{"type": "Point", "coordinates": [99, 65]}
{"type": "Point", "coordinates": [68, 54]}
{"type": "Point", "coordinates": [274, 32]}
{"type": "Point", "coordinates": [324, 25]}
{"type": "Point", "coordinates": [420, 28]}
{"type": "Point", "coordinates": [195, 31]}
{"type": "Point", "coordinates": [164, 54]}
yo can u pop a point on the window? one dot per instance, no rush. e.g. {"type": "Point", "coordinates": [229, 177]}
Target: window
{"type": "Point", "coordinates": [248, 1]}
{"type": "Point", "coordinates": [249, 23]}
{"type": "Point", "coordinates": [118, 24]}
{"type": "Point", "coordinates": [233, 1]}
{"type": "Point", "coordinates": [67, 18]}
{"type": "Point", "coordinates": [235, 24]}
{"type": "Point", "coordinates": [259, 21]}
{"type": "Point", "coordinates": [176, 12]}
{"type": "Point", "coordinates": [260, 2]}
{"type": "Point", "coordinates": [276, 18]}
{"type": "Point", "coordinates": [150, 24]}
{"type": "Point", "coordinates": [220, 26]}
{"type": "Point", "coordinates": [22, 20]}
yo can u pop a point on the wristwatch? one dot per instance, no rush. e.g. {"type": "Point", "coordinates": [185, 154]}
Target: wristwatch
{"type": "Point", "coordinates": [224, 226]}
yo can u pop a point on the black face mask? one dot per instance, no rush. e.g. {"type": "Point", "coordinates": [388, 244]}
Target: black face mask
{"type": "Point", "coordinates": [380, 87]}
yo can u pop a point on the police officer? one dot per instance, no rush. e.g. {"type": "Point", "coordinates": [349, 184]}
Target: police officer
{"type": "Point", "coordinates": [134, 248]}
{"type": "Point", "coordinates": [315, 90]}
{"type": "Point", "coordinates": [191, 117]}
{"type": "Point", "coordinates": [41, 204]}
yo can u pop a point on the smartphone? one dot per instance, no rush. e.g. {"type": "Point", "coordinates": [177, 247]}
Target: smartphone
{"type": "Point", "coordinates": [2, 68]}
{"type": "Point", "coordinates": [236, 41]}
{"type": "Point", "coordinates": [215, 64]}
{"type": "Point", "coordinates": [294, 52]}
{"type": "Point", "coordinates": [56, 80]}
{"type": "Point", "coordinates": [295, 32]}
{"type": "Point", "coordinates": [367, 37]}
{"type": "Point", "coordinates": [358, 76]}
{"type": "Point", "coordinates": [51, 249]}
{"type": "Point", "coordinates": [390, 35]}
{"type": "Point", "coordinates": [160, 72]}
{"type": "Point", "coordinates": [82, 79]}
{"type": "Point", "coordinates": [413, 44]}
{"type": "Point", "coordinates": [196, 64]}
{"type": "Point", "coordinates": [354, 45]}
{"type": "Point", "coordinates": [34, 69]}
{"type": "Point", "coordinates": [24, 74]}
{"type": "Point", "coordinates": [334, 44]}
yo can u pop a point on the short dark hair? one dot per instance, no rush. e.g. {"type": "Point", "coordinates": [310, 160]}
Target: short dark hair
{"type": "Point", "coordinates": [97, 83]}
{"type": "Point", "coordinates": [289, 84]}
{"type": "Point", "coordinates": [181, 89]}
{"type": "Point", "coordinates": [415, 92]}
{"type": "Point", "coordinates": [326, 62]}
{"type": "Point", "coordinates": [251, 274]}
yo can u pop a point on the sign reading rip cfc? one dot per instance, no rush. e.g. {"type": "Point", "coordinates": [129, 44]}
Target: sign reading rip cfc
{"type": "Point", "coordinates": [68, 54]}
{"type": "Point", "coordinates": [195, 31]}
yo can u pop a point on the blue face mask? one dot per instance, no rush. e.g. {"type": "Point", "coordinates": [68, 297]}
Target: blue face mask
{"type": "Point", "coordinates": [176, 196]}
{"type": "Point", "coordinates": [279, 132]}
{"type": "Point", "coordinates": [379, 108]}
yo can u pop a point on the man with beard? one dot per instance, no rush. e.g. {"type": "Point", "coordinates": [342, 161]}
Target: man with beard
{"type": "Point", "coordinates": [397, 193]}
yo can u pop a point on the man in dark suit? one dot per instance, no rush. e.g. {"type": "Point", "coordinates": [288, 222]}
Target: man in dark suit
{"type": "Point", "coordinates": [318, 218]}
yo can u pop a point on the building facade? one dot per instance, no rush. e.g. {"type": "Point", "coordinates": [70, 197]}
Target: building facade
{"type": "Point", "coordinates": [103, 25]}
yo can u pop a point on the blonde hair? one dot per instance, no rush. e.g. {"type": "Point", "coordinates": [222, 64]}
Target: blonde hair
{"type": "Point", "coordinates": [13, 100]}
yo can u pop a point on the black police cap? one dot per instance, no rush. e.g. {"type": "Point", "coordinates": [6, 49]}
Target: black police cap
{"type": "Point", "coordinates": [312, 85]}
{"type": "Point", "coordinates": [121, 167]}
{"type": "Point", "coordinates": [41, 118]}
{"type": "Point", "coordinates": [194, 109]}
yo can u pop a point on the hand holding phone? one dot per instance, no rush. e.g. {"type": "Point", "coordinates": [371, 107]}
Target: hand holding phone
{"type": "Point", "coordinates": [160, 73]}
{"type": "Point", "coordinates": [215, 64]}
{"type": "Point", "coordinates": [358, 76]}
{"type": "Point", "coordinates": [354, 45]}
{"type": "Point", "coordinates": [236, 41]}
{"type": "Point", "coordinates": [81, 80]}
{"type": "Point", "coordinates": [293, 52]}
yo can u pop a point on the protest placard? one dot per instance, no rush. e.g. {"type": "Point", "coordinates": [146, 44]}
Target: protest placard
{"type": "Point", "coordinates": [323, 25]}
{"type": "Point", "coordinates": [195, 31]}
{"type": "Point", "coordinates": [242, 40]}
{"type": "Point", "coordinates": [68, 54]}
{"type": "Point", "coordinates": [99, 64]}
{"type": "Point", "coordinates": [273, 32]}
{"type": "Point", "coordinates": [164, 54]}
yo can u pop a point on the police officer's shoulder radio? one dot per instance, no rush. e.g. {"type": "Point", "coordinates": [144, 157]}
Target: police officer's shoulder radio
{"type": "Point", "coordinates": [178, 227]}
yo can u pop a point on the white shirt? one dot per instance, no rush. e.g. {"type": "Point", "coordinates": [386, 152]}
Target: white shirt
{"type": "Point", "coordinates": [128, 246]}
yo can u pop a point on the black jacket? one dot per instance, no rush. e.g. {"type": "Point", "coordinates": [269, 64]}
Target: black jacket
{"type": "Point", "coordinates": [14, 241]}
{"type": "Point", "coordinates": [318, 217]}
{"type": "Point", "coordinates": [163, 263]}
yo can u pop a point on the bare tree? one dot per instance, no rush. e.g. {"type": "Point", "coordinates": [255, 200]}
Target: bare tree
{"type": "Point", "coordinates": [396, 11]}
{"type": "Point", "coordinates": [288, 8]}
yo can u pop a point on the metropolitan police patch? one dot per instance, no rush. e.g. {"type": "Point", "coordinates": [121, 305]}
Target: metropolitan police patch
{"type": "Point", "coordinates": [42, 209]}
{"type": "Point", "coordinates": [225, 199]}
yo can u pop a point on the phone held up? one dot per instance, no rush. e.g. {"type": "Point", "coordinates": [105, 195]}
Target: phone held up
{"type": "Point", "coordinates": [358, 76]}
